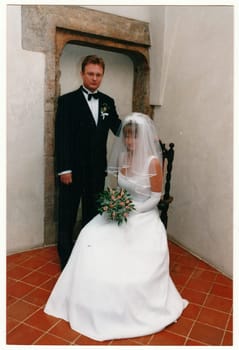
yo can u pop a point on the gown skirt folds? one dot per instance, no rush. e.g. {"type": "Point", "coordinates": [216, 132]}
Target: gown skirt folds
{"type": "Point", "coordinates": [116, 283]}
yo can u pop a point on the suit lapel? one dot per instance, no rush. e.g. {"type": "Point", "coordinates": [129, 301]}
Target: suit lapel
{"type": "Point", "coordinates": [103, 110]}
{"type": "Point", "coordinates": [88, 114]}
{"type": "Point", "coordinates": [99, 112]}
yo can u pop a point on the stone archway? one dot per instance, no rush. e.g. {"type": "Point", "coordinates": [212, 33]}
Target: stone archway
{"type": "Point", "coordinates": [138, 54]}
{"type": "Point", "coordinates": [48, 29]}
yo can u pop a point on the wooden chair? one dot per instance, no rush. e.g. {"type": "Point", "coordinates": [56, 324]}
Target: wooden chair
{"type": "Point", "coordinates": [168, 157]}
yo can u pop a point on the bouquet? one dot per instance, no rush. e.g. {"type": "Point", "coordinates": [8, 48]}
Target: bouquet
{"type": "Point", "coordinates": [116, 204]}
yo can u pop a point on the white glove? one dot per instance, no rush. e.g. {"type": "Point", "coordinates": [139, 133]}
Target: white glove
{"type": "Point", "coordinates": [149, 204]}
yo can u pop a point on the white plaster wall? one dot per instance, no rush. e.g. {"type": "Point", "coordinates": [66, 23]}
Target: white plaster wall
{"type": "Point", "coordinates": [157, 52]}
{"type": "Point", "coordinates": [25, 119]}
{"type": "Point", "coordinates": [197, 115]}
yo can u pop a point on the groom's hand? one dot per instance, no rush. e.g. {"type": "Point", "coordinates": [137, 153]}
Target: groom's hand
{"type": "Point", "coordinates": [66, 179]}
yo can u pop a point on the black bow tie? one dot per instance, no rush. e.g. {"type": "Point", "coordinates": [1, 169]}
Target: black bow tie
{"type": "Point", "coordinates": [95, 95]}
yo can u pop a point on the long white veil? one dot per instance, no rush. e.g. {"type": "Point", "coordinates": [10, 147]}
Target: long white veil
{"type": "Point", "coordinates": [135, 163]}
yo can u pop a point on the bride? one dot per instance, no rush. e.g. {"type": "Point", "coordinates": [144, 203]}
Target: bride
{"type": "Point", "coordinates": [116, 283]}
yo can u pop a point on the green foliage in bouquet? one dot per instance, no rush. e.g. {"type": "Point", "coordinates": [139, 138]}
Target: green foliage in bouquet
{"type": "Point", "coordinates": [116, 204]}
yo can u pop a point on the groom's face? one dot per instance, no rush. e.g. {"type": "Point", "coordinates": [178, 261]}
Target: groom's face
{"type": "Point", "coordinates": [92, 76]}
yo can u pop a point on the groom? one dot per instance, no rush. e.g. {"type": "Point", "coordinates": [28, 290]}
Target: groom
{"type": "Point", "coordinates": [83, 120]}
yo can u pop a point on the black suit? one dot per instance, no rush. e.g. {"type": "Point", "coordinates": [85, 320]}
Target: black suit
{"type": "Point", "coordinates": [80, 146]}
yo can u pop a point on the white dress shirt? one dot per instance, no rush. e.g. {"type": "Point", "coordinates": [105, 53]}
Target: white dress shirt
{"type": "Point", "coordinates": [93, 104]}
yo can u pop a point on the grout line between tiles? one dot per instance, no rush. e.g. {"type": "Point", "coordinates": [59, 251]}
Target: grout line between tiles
{"type": "Point", "coordinates": [48, 332]}
{"type": "Point", "coordinates": [225, 329]}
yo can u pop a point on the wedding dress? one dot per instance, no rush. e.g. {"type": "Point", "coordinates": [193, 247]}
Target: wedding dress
{"type": "Point", "coordinates": [116, 283]}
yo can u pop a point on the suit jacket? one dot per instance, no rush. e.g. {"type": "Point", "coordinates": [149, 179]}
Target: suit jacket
{"type": "Point", "coordinates": [80, 144]}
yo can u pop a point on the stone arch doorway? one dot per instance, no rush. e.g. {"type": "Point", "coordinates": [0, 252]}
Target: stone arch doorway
{"type": "Point", "coordinates": [138, 55]}
{"type": "Point", "coordinates": [48, 29]}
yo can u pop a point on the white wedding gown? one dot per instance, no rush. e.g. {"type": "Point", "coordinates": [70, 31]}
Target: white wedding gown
{"type": "Point", "coordinates": [116, 283]}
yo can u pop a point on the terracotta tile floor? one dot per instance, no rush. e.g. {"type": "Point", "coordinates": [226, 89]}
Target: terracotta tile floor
{"type": "Point", "coordinates": [31, 275]}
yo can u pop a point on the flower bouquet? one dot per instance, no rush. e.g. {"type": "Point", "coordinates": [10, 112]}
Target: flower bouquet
{"type": "Point", "coordinates": [116, 204]}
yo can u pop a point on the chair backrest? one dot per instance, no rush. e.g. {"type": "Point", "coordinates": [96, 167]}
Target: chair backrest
{"type": "Point", "coordinates": [168, 157]}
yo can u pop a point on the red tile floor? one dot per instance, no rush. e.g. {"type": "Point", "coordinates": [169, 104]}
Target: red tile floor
{"type": "Point", "coordinates": [32, 274]}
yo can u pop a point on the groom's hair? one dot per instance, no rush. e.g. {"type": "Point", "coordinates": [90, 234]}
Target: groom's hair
{"type": "Point", "coordinates": [94, 60]}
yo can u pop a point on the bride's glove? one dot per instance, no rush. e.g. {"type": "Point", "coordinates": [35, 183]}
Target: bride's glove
{"type": "Point", "coordinates": [149, 204]}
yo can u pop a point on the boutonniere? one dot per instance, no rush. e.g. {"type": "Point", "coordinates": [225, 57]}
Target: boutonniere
{"type": "Point", "coordinates": [104, 111]}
